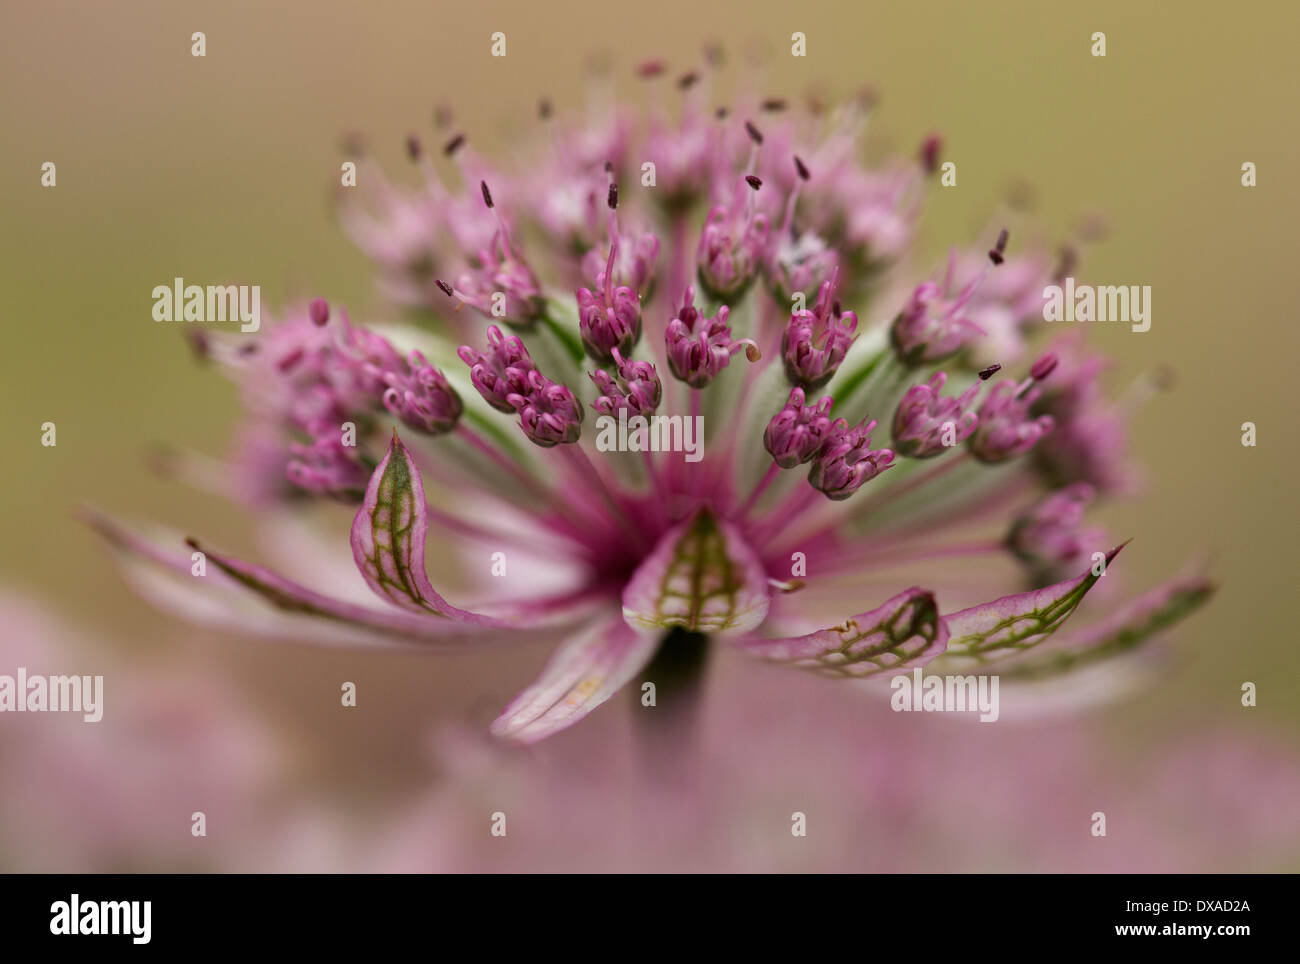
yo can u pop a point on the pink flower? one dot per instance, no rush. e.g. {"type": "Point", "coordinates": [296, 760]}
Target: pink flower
{"type": "Point", "coordinates": [680, 517]}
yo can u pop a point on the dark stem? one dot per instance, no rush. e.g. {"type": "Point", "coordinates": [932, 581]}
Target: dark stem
{"type": "Point", "coordinates": [665, 730]}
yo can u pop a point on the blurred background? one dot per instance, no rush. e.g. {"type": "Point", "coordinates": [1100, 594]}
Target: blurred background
{"type": "Point", "coordinates": [220, 168]}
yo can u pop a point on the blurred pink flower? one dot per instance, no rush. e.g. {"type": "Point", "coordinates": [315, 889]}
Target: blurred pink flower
{"type": "Point", "coordinates": [881, 792]}
{"type": "Point", "coordinates": [118, 794]}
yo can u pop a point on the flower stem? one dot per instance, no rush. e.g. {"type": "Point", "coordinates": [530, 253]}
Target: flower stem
{"type": "Point", "coordinates": [915, 554]}
{"type": "Point", "coordinates": [768, 478]}
{"type": "Point", "coordinates": [567, 339]}
{"type": "Point", "coordinates": [913, 483]}
{"type": "Point", "coordinates": [588, 471]}
{"type": "Point", "coordinates": [570, 525]}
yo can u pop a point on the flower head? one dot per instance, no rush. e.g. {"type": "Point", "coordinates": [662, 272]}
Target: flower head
{"type": "Point", "coordinates": [732, 244]}
{"type": "Point", "coordinates": [498, 282]}
{"type": "Point", "coordinates": [635, 387]}
{"type": "Point", "coordinates": [421, 396]}
{"type": "Point", "coordinates": [326, 466]}
{"type": "Point", "coordinates": [796, 434]}
{"type": "Point", "coordinates": [549, 413]}
{"type": "Point", "coordinates": [846, 460]}
{"type": "Point", "coordinates": [1006, 427]}
{"type": "Point", "coordinates": [932, 327]}
{"type": "Point", "coordinates": [798, 261]}
{"type": "Point", "coordinates": [927, 422]}
{"type": "Point", "coordinates": [611, 319]}
{"type": "Point", "coordinates": [672, 523]}
{"type": "Point", "coordinates": [1048, 536]}
{"type": "Point", "coordinates": [815, 342]}
{"type": "Point", "coordinates": [700, 347]}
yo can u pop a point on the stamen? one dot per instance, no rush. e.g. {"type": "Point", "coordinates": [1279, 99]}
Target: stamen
{"type": "Point", "coordinates": [450, 292]}
{"type": "Point", "coordinates": [929, 153]}
{"type": "Point", "coordinates": [788, 221]}
{"type": "Point", "coordinates": [995, 258]}
{"type": "Point", "coordinates": [751, 205]}
{"type": "Point", "coordinates": [199, 343]}
{"type": "Point", "coordinates": [452, 146]}
{"type": "Point", "coordinates": [999, 250]}
{"type": "Point", "coordinates": [501, 222]}
{"type": "Point", "coordinates": [1043, 367]}
{"type": "Point", "coordinates": [756, 136]}
{"type": "Point", "coordinates": [612, 200]}
{"type": "Point", "coordinates": [1037, 372]}
{"type": "Point", "coordinates": [319, 312]}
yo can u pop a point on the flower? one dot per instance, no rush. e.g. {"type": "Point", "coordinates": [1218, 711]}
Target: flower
{"type": "Point", "coordinates": [926, 422]}
{"type": "Point", "coordinates": [846, 460]}
{"type": "Point", "coordinates": [733, 242]}
{"type": "Point", "coordinates": [796, 434]}
{"type": "Point", "coordinates": [611, 319]}
{"type": "Point", "coordinates": [1047, 536]}
{"type": "Point", "coordinates": [698, 348]}
{"type": "Point", "coordinates": [635, 387]}
{"type": "Point", "coordinates": [683, 524]}
{"type": "Point", "coordinates": [931, 328]}
{"type": "Point", "coordinates": [815, 342]}
{"type": "Point", "coordinates": [1005, 427]}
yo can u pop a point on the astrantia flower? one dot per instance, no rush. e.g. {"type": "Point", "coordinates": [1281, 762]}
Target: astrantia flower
{"type": "Point", "coordinates": [652, 535]}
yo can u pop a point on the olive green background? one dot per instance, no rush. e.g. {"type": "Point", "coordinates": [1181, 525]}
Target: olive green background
{"type": "Point", "coordinates": [220, 168]}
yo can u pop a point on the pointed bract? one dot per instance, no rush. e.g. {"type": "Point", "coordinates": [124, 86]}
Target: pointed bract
{"type": "Point", "coordinates": [581, 675]}
{"type": "Point", "coordinates": [701, 577]}
{"type": "Point", "coordinates": [905, 631]}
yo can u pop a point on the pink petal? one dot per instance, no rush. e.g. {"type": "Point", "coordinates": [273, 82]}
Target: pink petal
{"type": "Point", "coordinates": [582, 674]}
{"type": "Point", "coordinates": [243, 597]}
{"type": "Point", "coordinates": [905, 631]}
{"type": "Point", "coordinates": [1141, 619]}
{"type": "Point", "coordinates": [701, 576]}
{"type": "Point", "coordinates": [388, 536]}
{"type": "Point", "coordinates": [999, 629]}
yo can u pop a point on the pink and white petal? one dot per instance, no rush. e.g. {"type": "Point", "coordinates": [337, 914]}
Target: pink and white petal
{"type": "Point", "coordinates": [234, 595]}
{"type": "Point", "coordinates": [1140, 620]}
{"type": "Point", "coordinates": [703, 577]}
{"type": "Point", "coordinates": [998, 630]}
{"type": "Point", "coordinates": [581, 675]}
{"type": "Point", "coordinates": [388, 537]}
{"type": "Point", "coordinates": [556, 586]}
{"type": "Point", "coordinates": [297, 542]}
{"type": "Point", "coordinates": [905, 631]}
